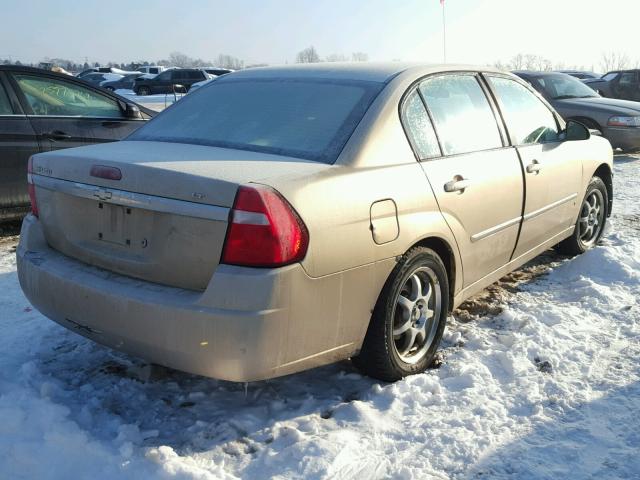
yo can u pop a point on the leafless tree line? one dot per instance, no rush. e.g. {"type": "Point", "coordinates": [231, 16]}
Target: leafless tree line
{"type": "Point", "coordinates": [310, 55]}
{"type": "Point", "coordinates": [608, 62]}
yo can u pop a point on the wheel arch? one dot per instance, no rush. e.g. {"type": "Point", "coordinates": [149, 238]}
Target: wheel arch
{"type": "Point", "coordinates": [606, 175]}
{"type": "Point", "coordinates": [447, 254]}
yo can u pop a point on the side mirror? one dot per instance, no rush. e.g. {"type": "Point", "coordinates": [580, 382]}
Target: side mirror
{"type": "Point", "coordinates": [576, 131]}
{"type": "Point", "coordinates": [132, 111]}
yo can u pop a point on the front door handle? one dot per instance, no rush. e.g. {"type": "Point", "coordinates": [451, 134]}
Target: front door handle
{"type": "Point", "coordinates": [56, 135]}
{"type": "Point", "coordinates": [458, 184]}
{"type": "Point", "coordinates": [534, 167]}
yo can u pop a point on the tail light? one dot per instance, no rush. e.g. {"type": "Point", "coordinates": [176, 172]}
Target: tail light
{"type": "Point", "coordinates": [265, 230]}
{"type": "Point", "coordinates": [31, 188]}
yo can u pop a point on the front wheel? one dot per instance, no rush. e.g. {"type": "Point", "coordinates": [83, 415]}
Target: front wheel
{"type": "Point", "coordinates": [143, 91]}
{"type": "Point", "coordinates": [591, 220]}
{"type": "Point", "coordinates": [408, 320]}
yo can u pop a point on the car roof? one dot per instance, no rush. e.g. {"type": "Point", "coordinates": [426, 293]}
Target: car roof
{"type": "Point", "coordinates": [381, 72]}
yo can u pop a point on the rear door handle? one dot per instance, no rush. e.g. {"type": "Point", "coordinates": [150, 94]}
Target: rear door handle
{"type": "Point", "coordinates": [56, 135]}
{"type": "Point", "coordinates": [458, 184]}
{"type": "Point", "coordinates": [534, 167]}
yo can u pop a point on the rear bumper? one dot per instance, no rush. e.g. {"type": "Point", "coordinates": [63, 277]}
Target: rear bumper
{"type": "Point", "coordinates": [624, 138]}
{"type": "Point", "coordinates": [250, 324]}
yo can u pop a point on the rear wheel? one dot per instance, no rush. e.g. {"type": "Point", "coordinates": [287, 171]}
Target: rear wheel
{"type": "Point", "coordinates": [591, 220]}
{"type": "Point", "coordinates": [408, 319]}
{"type": "Point", "coordinates": [142, 91]}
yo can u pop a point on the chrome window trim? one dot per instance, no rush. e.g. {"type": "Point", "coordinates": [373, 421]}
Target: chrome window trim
{"type": "Point", "coordinates": [132, 199]}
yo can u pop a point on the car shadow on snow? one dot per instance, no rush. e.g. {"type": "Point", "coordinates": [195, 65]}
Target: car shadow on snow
{"type": "Point", "coordinates": [114, 396]}
{"type": "Point", "coordinates": [597, 439]}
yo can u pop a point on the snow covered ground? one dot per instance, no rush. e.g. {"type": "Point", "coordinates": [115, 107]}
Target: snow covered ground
{"type": "Point", "coordinates": [540, 379]}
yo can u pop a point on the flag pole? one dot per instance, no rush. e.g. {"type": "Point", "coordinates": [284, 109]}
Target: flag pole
{"type": "Point", "coordinates": [444, 34]}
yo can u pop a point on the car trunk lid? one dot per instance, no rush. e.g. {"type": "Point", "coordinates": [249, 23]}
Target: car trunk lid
{"type": "Point", "coordinates": [164, 220]}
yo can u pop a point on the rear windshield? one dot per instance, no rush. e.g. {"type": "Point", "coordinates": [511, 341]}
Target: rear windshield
{"type": "Point", "coordinates": [310, 119]}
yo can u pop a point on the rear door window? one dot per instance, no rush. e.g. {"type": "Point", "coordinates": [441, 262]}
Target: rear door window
{"type": "Point", "coordinates": [54, 97]}
{"type": "Point", "coordinates": [5, 105]}
{"type": "Point", "coordinates": [461, 113]}
{"type": "Point", "coordinates": [528, 119]}
{"type": "Point", "coordinates": [419, 127]}
{"type": "Point", "coordinates": [627, 79]}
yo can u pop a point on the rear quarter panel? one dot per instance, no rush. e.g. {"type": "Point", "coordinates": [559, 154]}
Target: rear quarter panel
{"type": "Point", "coordinates": [335, 204]}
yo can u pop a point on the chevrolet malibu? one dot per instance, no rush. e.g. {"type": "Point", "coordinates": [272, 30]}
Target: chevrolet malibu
{"type": "Point", "coordinates": [279, 219]}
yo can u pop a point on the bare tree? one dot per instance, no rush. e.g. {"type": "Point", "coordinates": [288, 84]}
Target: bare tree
{"type": "Point", "coordinates": [614, 61]}
{"type": "Point", "coordinates": [335, 57]}
{"type": "Point", "coordinates": [308, 55]}
{"type": "Point", "coordinates": [359, 57]}
{"type": "Point", "coordinates": [181, 60]}
{"type": "Point", "coordinates": [229, 61]}
{"type": "Point", "coordinates": [525, 62]}
{"type": "Point", "coordinates": [516, 63]}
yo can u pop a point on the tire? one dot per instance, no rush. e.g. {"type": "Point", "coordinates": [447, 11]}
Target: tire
{"type": "Point", "coordinates": [591, 220]}
{"type": "Point", "coordinates": [111, 89]}
{"type": "Point", "coordinates": [405, 305]}
{"type": "Point", "coordinates": [143, 91]}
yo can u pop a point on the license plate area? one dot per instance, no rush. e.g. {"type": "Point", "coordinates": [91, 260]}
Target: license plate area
{"type": "Point", "coordinates": [113, 224]}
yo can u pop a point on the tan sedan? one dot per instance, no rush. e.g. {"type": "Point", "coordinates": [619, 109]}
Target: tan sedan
{"type": "Point", "coordinates": [280, 219]}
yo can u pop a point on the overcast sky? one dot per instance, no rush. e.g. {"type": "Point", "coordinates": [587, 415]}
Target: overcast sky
{"type": "Point", "coordinates": [273, 31]}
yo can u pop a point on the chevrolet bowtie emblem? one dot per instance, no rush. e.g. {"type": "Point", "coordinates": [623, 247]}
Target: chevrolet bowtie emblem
{"type": "Point", "coordinates": [103, 194]}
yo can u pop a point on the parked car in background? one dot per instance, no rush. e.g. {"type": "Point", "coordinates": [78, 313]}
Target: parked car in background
{"type": "Point", "coordinates": [166, 81]}
{"type": "Point", "coordinates": [125, 83]}
{"type": "Point", "coordinates": [97, 78]}
{"type": "Point", "coordinates": [102, 70]}
{"type": "Point", "coordinates": [43, 111]}
{"type": "Point", "coordinates": [216, 71]}
{"type": "Point", "coordinates": [197, 85]}
{"type": "Point", "coordinates": [200, 242]}
{"type": "Point", "coordinates": [152, 69]}
{"type": "Point", "coordinates": [617, 120]}
{"type": "Point", "coordinates": [581, 74]}
{"type": "Point", "coordinates": [624, 84]}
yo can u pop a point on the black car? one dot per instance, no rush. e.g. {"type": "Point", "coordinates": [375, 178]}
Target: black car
{"type": "Point", "coordinates": [127, 82]}
{"type": "Point", "coordinates": [167, 81]}
{"type": "Point", "coordinates": [41, 111]}
{"type": "Point", "coordinates": [624, 84]}
{"type": "Point", "coordinates": [616, 120]}
{"type": "Point", "coordinates": [581, 74]}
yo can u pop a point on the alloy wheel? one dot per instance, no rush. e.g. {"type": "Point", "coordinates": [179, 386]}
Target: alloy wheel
{"type": "Point", "coordinates": [591, 218]}
{"type": "Point", "coordinates": [416, 315]}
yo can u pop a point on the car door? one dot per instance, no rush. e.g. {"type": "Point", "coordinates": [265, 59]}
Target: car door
{"type": "Point", "coordinates": [552, 168]}
{"type": "Point", "coordinates": [17, 143]}
{"type": "Point", "coordinates": [162, 82]}
{"type": "Point", "coordinates": [476, 179]}
{"type": "Point", "coordinates": [625, 86]}
{"type": "Point", "coordinates": [65, 113]}
{"type": "Point", "coordinates": [180, 77]}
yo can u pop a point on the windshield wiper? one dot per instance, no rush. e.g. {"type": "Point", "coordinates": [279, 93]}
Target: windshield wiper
{"type": "Point", "coordinates": [564, 97]}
